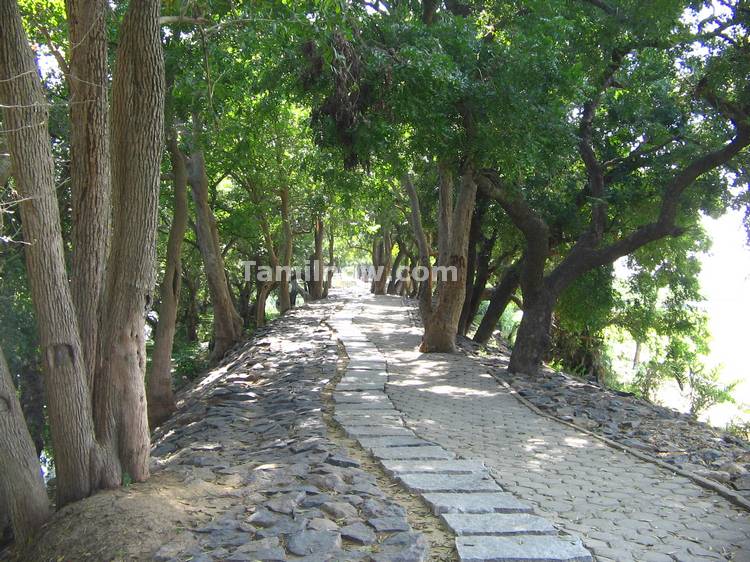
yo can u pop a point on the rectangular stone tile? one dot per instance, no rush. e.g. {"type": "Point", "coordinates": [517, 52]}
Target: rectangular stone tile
{"type": "Point", "coordinates": [369, 420]}
{"type": "Point", "coordinates": [392, 441]}
{"type": "Point", "coordinates": [449, 482]}
{"type": "Point", "coordinates": [354, 372]}
{"type": "Point", "coordinates": [348, 407]}
{"type": "Point", "coordinates": [521, 549]}
{"type": "Point", "coordinates": [493, 502]}
{"type": "Point", "coordinates": [359, 397]}
{"type": "Point", "coordinates": [412, 453]}
{"type": "Point", "coordinates": [438, 467]}
{"type": "Point", "coordinates": [364, 385]}
{"type": "Point", "coordinates": [367, 365]}
{"type": "Point", "coordinates": [376, 430]}
{"type": "Point", "coordinates": [498, 524]}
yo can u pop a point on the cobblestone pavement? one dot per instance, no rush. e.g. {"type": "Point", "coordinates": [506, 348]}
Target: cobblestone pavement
{"type": "Point", "coordinates": [277, 487]}
{"type": "Point", "coordinates": [625, 509]}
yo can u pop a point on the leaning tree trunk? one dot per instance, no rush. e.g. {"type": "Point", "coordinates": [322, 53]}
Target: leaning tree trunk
{"type": "Point", "coordinates": [501, 297]}
{"type": "Point", "coordinates": [21, 484]}
{"type": "Point", "coordinates": [395, 273]}
{"type": "Point", "coordinates": [137, 146]}
{"type": "Point", "coordinates": [227, 322]}
{"type": "Point", "coordinates": [316, 262]}
{"type": "Point", "coordinates": [88, 80]}
{"type": "Point", "coordinates": [25, 117]}
{"type": "Point", "coordinates": [264, 290]}
{"type": "Point", "coordinates": [191, 316]}
{"type": "Point", "coordinates": [533, 337]}
{"type": "Point", "coordinates": [159, 391]}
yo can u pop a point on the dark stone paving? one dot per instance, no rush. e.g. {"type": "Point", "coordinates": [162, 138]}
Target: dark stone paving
{"type": "Point", "coordinates": [253, 436]}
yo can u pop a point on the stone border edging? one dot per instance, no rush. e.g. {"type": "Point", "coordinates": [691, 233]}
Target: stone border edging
{"type": "Point", "coordinates": [705, 483]}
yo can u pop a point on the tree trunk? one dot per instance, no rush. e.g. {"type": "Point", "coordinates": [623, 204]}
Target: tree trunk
{"type": "Point", "coordinates": [381, 261]}
{"type": "Point", "coordinates": [227, 322]}
{"type": "Point", "coordinates": [501, 297]}
{"type": "Point", "coordinates": [159, 388]}
{"type": "Point", "coordinates": [316, 262]}
{"type": "Point", "coordinates": [331, 262]}
{"type": "Point", "coordinates": [285, 302]}
{"type": "Point", "coordinates": [137, 146]}
{"type": "Point", "coordinates": [533, 338]}
{"type": "Point", "coordinates": [245, 309]}
{"type": "Point", "coordinates": [479, 288]}
{"type": "Point", "coordinates": [475, 234]}
{"type": "Point", "coordinates": [25, 116]}
{"type": "Point", "coordinates": [264, 289]}
{"type": "Point", "coordinates": [88, 80]}
{"type": "Point", "coordinates": [441, 320]}
{"type": "Point", "coordinates": [395, 277]}
{"type": "Point", "coordinates": [192, 314]}
{"type": "Point", "coordinates": [21, 483]}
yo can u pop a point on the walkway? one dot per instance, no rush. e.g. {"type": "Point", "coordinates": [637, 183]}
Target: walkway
{"type": "Point", "coordinates": [622, 508]}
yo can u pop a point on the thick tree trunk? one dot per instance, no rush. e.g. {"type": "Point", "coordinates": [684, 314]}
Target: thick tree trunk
{"type": "Point", "coordinates": [69, 404]}
{"type": "Point", "coordinates": [245, 308]}
{"type": "Point", "coordinates": [227, 322]}
{"type": "Point", "coordinates": [316, 261]}
{"type": "Point", "coordinates": [381, 261]}
{"type": "Point", "coordinates": [88, 80]}
{"type": "Point", "coordinates": [441, 326]}
{"type": "Point", "coordinates": [501, 297]}
{"type": "Point", "coordinates": [475, 234]}
{"type": "Point", "coordinates": [479, 288]}
{"type": "Point", "coordinates": [21, 484]}
{"type": "Point", "coordinates": [533, 338]}
{"type": "Point", "coordinates": [159, 392]}
{"type": "Point", "coordinates": [137, 146]}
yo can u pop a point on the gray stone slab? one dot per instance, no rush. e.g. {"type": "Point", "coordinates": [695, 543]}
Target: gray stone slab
{"type": "Point", "coordinates": [367, 365]}
{"type": "Point", "coordinates": [376, 431]}
{"type": "Point", "coordinates": [349, 406]}
{"type": "Point", "coordinates": [369, 421]}
{"type": "Point", "coordinates": [493, 502]}
{"type": "Point", "coordinates": [476, 482]}
{"type": "Point", "coordinates": [392, 441]}
{"type": "Point", "coordinates": [354, 372]}
{"type": "Point", "coordinates": [359, 397]}
{"type": "Point", "coordinates": [521, 549]}
{"type": "Point", "coordinates": [362, 385]}
{"type": "Point", "coordinates": [438, 467]}
{"type": "Point", "coordinates": [498, 524]}
{"type": "Point", "coordinates": [412, 453]}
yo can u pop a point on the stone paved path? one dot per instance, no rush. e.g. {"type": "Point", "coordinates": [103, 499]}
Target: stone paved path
{"type": "Point", "coordinates": [272, 483]}
{"type": "Point", "coordinates": [623, 508]}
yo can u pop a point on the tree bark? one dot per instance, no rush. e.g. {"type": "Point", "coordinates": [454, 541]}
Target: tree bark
{"type": "Point", "coordinates": [316, 261]}
{"type": "Point", "coordinates": [264, 289]}
{"type": "Point", "coordinates": [138, 91]}
{"type": "Point", "coordinates": [192, 314]}
{"type": "Point", "coordinates": [381, 261]}
{"type": "Point", "coordinates": [287, 249]}
{"type": "Point", "coordinates": [21, 485]}
{"type": "Point", "coordinates": [331, 262]}
{"type": "Point", "coordinates": [533, 338]}
{"type": "Point", "coordinates": [25, 116]}
{"type": "Point", "coordinates": [393, 282]}
{"type": "Point", "coordinates": [227, 322]}
{"type": "Point", "coordinates": [501, 297]}
{"type": "Point", "coordinates": [159, 392]}
{"type": "Point", "coordinates": [88, 80]}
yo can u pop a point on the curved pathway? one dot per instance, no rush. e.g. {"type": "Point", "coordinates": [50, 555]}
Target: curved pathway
{"type": "Point", "coordinates": [623, 508]}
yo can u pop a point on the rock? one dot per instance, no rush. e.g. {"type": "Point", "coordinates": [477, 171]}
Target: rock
{"type": "Point", "coordinates": [359, 533]}
{"type": "Point", "coordinates": [389, 524]}
{"type": "Point", "coordinates": [322, 524]}
{"type": "Point", "coordinates": [733, 468]}
{"type": "Point", "coordinates": [341, 460]}
{"type": "Point", "coordinates": [340, 510]}
{"type": "Point", "coordinates": [742, 483]}
{"type": "Point", "coordinates": [264, 518]}
{"type": "Point", "coordinates": [317, 543]}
